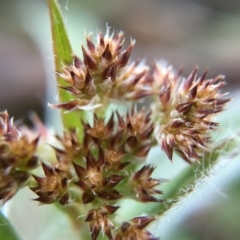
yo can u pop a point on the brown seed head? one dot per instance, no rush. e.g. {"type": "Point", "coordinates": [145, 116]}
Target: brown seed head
{"type": "Point", "coordinates": [184, 110]}
{"type": "Point", "coordinates": [17, 157]}
{"type": "Point", "coordinates": [104, 74]}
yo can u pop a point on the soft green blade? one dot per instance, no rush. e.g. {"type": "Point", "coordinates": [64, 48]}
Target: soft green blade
{"type": "Point", "coordinates": [61, 45]}
{"type": "Point", "coordinates": [7, 232]}
{"type": "Point", "coordinates": [63, 55]}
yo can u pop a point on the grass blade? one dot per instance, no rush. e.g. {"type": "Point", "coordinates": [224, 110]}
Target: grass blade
{"type": "Point", "coordinates": [63, 55]}
{"type": "Point", "coordinates": [7, 232]}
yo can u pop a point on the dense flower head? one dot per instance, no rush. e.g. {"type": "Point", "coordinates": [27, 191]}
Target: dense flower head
{"type": "Point", "coordinates": [104, 74]}
{"type": "Point", "coordinates": [184, 109]}
{"type": "Point", "coordinates": [100, 161]}
{"type": "Point", "coordinates": [16, 148]}
{"type": "Point", "coordinates": [17, 157]}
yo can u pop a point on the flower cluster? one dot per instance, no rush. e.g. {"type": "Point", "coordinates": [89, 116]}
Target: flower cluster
{"type": "Point", "coordinates": [99, 166]}
{"type": "Point", "coordinates": [102, 166]}
{"type": "Point", "coordinates": [104, 74]}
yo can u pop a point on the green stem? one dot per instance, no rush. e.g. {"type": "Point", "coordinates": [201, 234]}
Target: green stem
{"type": "Point", "coordinates": [77, 220]}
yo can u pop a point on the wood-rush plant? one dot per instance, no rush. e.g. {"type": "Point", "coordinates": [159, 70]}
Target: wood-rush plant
{"type": "Point", "coordinates": [101, 160]}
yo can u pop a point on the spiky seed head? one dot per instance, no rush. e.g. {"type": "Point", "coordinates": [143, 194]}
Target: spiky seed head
{"type": "Point", "coordinates": [184, 109]}
{"type": "Point", "coordinates": [104, 74]}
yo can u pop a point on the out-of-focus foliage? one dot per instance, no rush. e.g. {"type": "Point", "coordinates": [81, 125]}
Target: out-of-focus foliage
{"type": "Point", "coordinates": [6, 230]}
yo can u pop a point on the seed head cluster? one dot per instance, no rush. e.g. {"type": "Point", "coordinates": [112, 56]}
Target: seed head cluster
{"type": "Point", "coordinates": [108, 163]}
{"type": "Point", "coordinates": [184, 110]}
{"type": "Point", "coordinates": [104, 74]}
{"type": "Point", "coordinates": [17, 157]}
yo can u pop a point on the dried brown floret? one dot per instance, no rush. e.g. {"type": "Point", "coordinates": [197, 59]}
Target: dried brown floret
{"type": "Point", "coordinates": [134, 229]}
{"type": "Point", "coordinates": [100, 129]}
{"type": "Point", "coordinates": [17, 157]}
{"type": "Point", "coordinates": [93, 182]}
{"type": "Point", "coordinates": [71, 149]}
{"type": "Point", "coordinates": [104, 74]}
{"type": "Point", "coordinates": [100, 222]}
{"type": "Point", "coordinates": [144, 185]}
{"type": "Point", "coordinates": [11, 182]}
{"type": "Point", "coordinates": [51, 188]}
{"type": "Point", "coordinates": [137, 132]}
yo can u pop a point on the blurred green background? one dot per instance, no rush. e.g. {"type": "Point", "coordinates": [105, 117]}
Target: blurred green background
{"type": "Point", "coordinates": [185, 33]}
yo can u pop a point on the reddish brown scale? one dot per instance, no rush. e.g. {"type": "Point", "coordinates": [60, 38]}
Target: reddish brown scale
{"type": "Point", "coordinates": [107, 54]}
{"type": "Point", "coordinates": [189, 81]}
{"type": "Point", "coordinates": [165, 95]}
{"type": "Point", "coordinates": [90, 45]}
{"type": "Point", "coordinates": [123, 59]}
{"type": "Point", "coordinates": [88, 60]}
{"type": "Point", "coordinates": [77, 62]}
{"type": "Point", "coordinates": [101, 40]}
{"type": "Point", "coordinates": [109, 72]}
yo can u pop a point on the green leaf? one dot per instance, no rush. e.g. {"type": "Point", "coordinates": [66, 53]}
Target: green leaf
{"type": "Point", "coordinates": [63, 55]}
{"type": "Point", "coordinates": [7, 232]}
{"type": "Point", "coordinates": [61, 45]}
